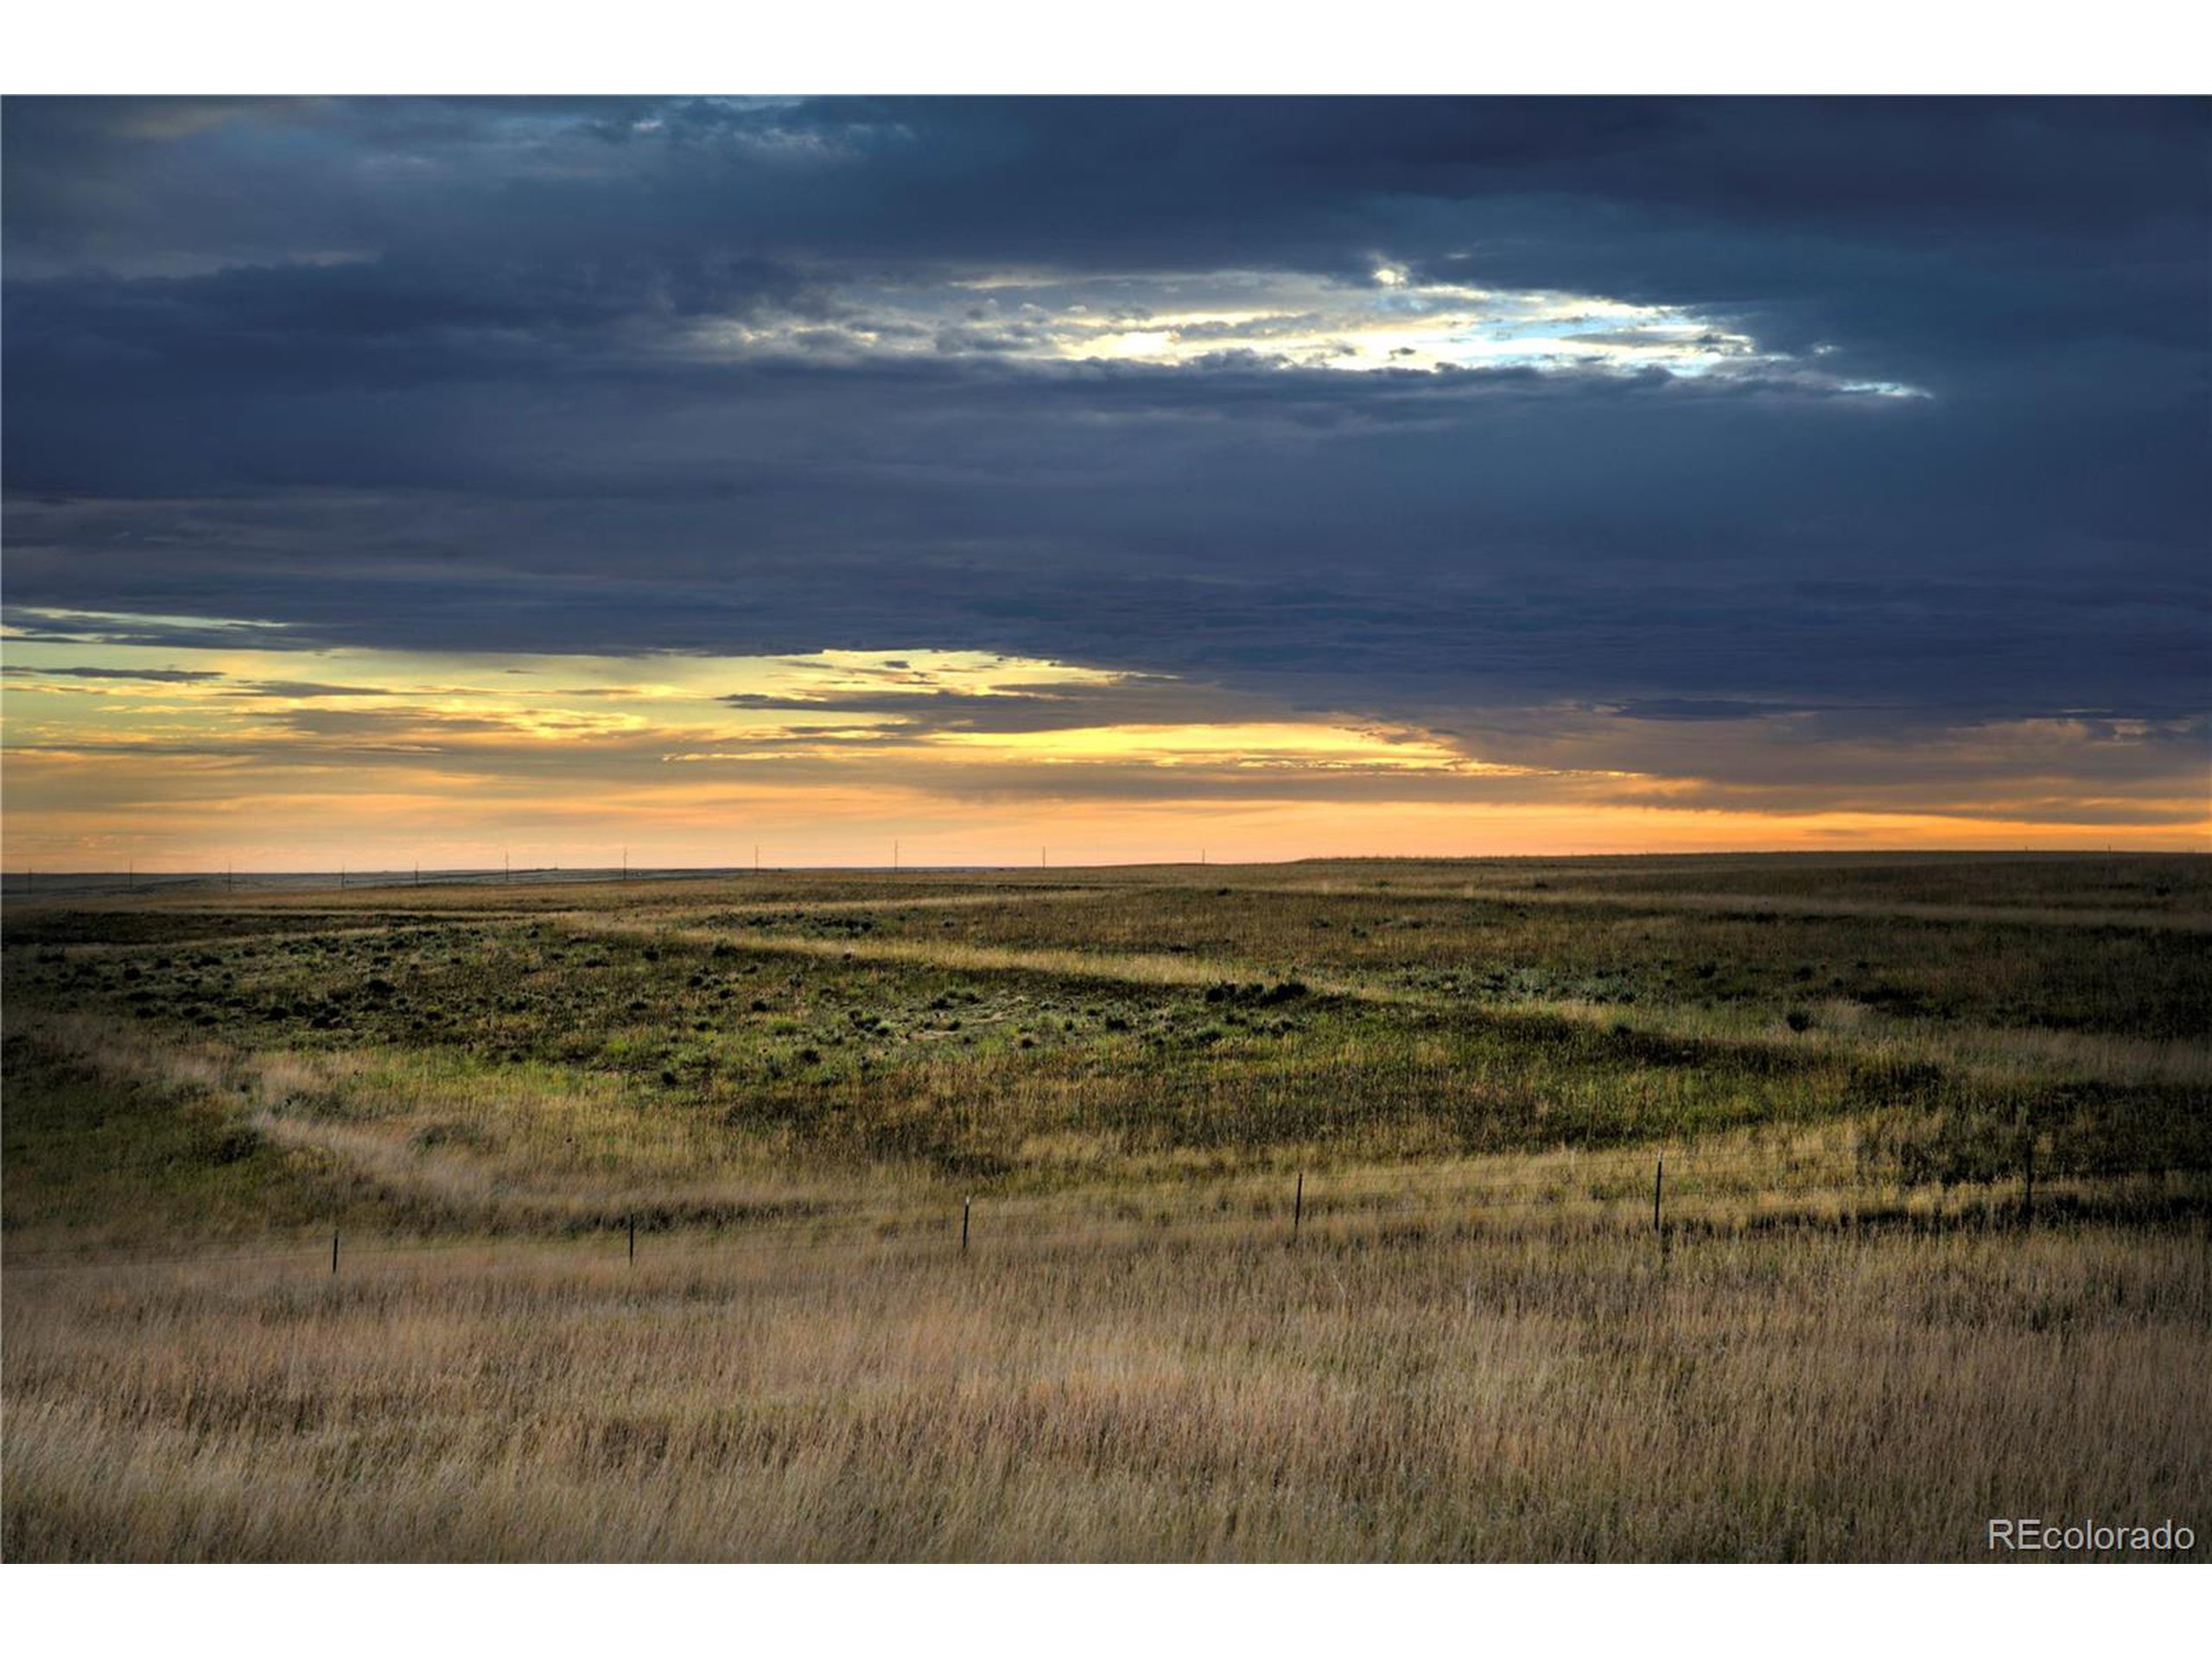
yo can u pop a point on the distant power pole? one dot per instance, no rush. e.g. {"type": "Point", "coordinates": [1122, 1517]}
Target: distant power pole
{"type": "Point", "coordinates": [342, 878]}
{"type": "Point", "coordinates": [895, 858]}
{"type": "Point", "coordinates": [1042, 861]}
{"type": "Point", "coordinates": [507, 867]}
{"type": "Point", "coordinates": [626, 864]}
{"type": "Point", "coordinates": [756, 858]}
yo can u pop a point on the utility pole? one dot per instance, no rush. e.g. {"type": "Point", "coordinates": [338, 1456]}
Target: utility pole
{"type": "Point", "coordinates": [895, 858]}
{"type": "Point", "coordinates": [626, 864]}
{"type": "Point", "coordinates": [756, 858]}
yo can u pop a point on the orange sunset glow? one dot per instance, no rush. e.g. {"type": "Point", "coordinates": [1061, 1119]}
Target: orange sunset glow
{"type": "Point", "coordinates": [190, 760]}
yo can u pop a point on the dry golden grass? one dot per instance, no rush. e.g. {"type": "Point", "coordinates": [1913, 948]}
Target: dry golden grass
{"type": "Point", "coordinates": [1542, 1393]}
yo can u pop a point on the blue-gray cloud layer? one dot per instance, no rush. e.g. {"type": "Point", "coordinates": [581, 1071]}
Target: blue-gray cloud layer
{"type": "Point", "coordinates": [430, 374]}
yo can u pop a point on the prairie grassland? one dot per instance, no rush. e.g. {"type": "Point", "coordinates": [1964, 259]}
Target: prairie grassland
{"type": "Point", "coordinates": [1848, 1345]}
{"type": "Point", "coordinates": [1558, 1394]}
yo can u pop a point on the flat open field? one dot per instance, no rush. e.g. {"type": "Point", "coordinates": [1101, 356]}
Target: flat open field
{"type": "Point", "coordinates": [1308, 1212]}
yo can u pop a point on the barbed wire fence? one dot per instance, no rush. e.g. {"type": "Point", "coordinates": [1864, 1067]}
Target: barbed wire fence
{"type": "Point", "coordinates": [1659, 1194]}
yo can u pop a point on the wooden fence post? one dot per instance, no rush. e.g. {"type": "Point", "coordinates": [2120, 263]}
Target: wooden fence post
{"type": "Point", "coordinates": [633, 1241]}
{"type": "Point", "coordinates": [964, 1226]}
{"type": "Point", "coordinates": [1297, 1206]}
{"type": "Point", "coordinates": [333, 1252]}
{"type": "Point", "coordinates": [1658, 1184]}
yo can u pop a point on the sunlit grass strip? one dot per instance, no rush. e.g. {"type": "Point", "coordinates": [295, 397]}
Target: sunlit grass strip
{"type": "Point", "coordinates": [1990, 1051]}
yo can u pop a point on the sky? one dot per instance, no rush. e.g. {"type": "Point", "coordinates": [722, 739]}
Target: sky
{"type": "Point", "coordinates": [1092, 479]}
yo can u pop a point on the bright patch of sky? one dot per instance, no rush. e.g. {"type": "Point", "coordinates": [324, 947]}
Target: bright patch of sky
{"type": "Point", "coordinates": [1391, 320]}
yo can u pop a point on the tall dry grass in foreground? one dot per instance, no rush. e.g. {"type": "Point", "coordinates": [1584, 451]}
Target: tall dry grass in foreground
{"type": "Point", "coordinates": [1536, 1394]}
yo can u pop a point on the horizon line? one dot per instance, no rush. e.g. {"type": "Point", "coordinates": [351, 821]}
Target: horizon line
{"type": "Point", "coordinates": [18, 883]}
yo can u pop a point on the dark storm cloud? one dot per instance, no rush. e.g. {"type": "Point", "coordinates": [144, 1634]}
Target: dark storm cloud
{"type": "Point", "coordinates": [2055, 209]}
{"type": "Point", "coordinates": [157, 675]}
{"type": "Point", "coordinates": [1012, 708]}
{"type": "Point", "coordinates": [45, 626]}
{"type": "Point", "coordinates": [398, 371]}
{"type": "Point", "coordinates": [300, 688]}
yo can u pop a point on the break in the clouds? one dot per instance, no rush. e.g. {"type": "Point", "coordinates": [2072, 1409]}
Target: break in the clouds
{"type": "Point", "coordinates": [1661, 473]}
{"type": "Point", "coordinates": [1387, 318]}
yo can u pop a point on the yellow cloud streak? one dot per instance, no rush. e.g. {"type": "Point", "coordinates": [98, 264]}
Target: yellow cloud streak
{"type": "Point", "coordinates": [292, 759]}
